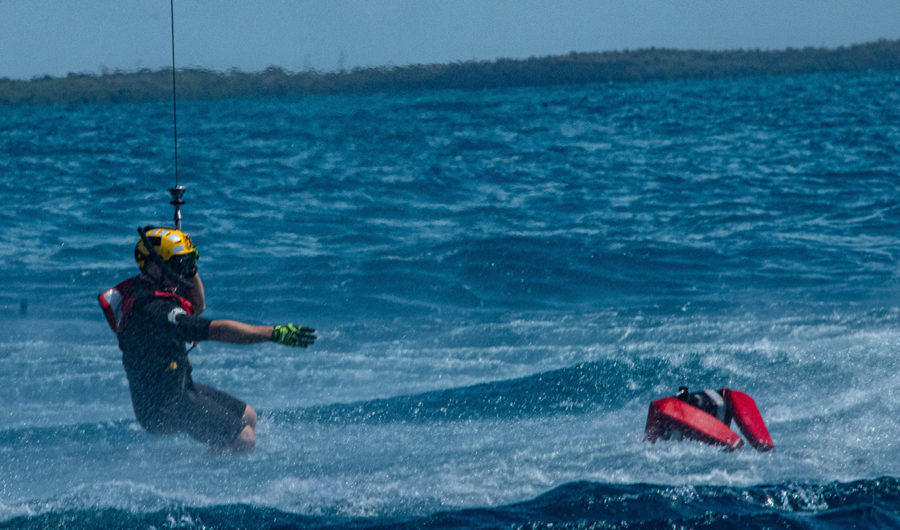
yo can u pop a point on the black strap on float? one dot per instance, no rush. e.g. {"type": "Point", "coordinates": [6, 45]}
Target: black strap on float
{"type": "Point", "coordinates": [166, 269]}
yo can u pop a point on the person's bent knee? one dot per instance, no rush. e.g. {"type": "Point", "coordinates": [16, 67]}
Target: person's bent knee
{"type": "Point", "coordinates": [245, 441]}
{"type": "Point", "coordinates": [249, 416]}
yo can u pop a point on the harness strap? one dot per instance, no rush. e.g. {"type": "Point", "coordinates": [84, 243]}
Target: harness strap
{"type": "Point", "coordinates": [117, 303]}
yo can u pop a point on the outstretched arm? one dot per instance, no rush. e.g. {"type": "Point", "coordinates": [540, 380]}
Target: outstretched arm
{"type": "Point", "coordinates": [240, 333]}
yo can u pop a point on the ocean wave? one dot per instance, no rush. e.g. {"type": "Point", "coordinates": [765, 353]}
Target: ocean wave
{"type": "Point", "coordinates": [591, 387]}
{"type": "Point", "coordinates": [871, 503]}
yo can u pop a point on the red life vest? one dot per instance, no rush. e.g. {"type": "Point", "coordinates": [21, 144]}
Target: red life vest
{"type": "Point", "coordinates": [117, 303]}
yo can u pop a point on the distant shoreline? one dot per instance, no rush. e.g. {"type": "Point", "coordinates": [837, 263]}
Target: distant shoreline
{"type": "Point", "coordinates": [649, 64]}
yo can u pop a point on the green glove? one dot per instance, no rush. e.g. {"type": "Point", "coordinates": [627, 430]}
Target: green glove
{"type": "Point", "coordinates": [291, 335]}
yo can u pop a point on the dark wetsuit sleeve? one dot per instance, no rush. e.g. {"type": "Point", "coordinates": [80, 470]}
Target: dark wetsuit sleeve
{"type": "Point", "coordinates": [182, 325]}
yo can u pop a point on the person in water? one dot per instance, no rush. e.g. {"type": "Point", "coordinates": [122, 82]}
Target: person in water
{"type": "Point", "coordinates": [155, 316]}
{"type": "Point", "coordinates": [706, 416]}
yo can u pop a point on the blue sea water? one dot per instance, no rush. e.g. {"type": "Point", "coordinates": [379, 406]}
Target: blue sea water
{"type": "Point", "coordinates": [502, 281]}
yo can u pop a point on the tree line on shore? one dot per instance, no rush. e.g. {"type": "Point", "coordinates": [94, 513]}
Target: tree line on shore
{"type": "Point", "coordinates": [649, 64]}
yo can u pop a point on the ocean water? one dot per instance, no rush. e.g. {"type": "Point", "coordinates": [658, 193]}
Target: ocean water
{"type": "Point", "coordinates": [502, 281]}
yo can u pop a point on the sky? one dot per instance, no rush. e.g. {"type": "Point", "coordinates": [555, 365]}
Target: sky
{"type": "Point", "coordinates": [56, 37]}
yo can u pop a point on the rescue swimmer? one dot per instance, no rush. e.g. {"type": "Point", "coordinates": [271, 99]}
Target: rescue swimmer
{"type": "Point", "coordinates": [156, 316]}
{"type": "Point", "coordinates": [706, 416]}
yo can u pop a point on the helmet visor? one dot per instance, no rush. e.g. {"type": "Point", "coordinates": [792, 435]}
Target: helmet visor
{"type": "Point", "coordinates": [184, 265]}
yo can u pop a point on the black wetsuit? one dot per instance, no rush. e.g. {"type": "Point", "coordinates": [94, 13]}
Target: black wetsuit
{"type": "Point", "coordinates": [709, 401]}
{"type": "Point", "coordinates": [165, 398]}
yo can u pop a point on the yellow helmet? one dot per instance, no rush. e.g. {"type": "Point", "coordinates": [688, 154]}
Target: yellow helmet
{"type": "Point", "coordinates": [174, 247]}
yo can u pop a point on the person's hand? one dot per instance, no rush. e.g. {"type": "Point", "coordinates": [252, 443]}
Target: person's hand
{"type": "Point", "coordinates": [291, 335]}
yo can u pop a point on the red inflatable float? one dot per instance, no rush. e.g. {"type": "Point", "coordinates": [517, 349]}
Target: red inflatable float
{"type": "Point", "coordinates": [706, 417]}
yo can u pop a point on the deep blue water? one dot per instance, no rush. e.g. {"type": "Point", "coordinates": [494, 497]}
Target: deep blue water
{"type": "Point", "coordinates": [502, 281]}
